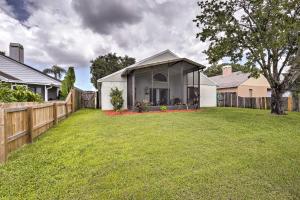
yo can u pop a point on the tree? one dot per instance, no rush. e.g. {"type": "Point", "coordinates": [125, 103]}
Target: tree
{"type": "Point", "coordinates": [116, 99]}
{"type": "Point", "coordinates": [264, 32]}
{"type": "Point", "coordinates": [215, 69]}
{"type": "Point", "coordinates": [107, 64]}
{"type": "Point", "coordinates": [56, 71]}
{"type": "Point", "coordinates": [68, 82]}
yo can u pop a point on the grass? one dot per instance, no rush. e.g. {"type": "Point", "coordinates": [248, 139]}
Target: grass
{"type": "Point", "coordinates": [214, 154]}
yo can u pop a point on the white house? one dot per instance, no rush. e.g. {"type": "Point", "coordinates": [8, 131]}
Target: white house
{"type": "Point", "coordinates": [162, 79]}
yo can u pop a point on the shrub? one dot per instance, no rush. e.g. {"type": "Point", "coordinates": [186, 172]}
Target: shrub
{"type": "Point", "coordinates": [141, 106]}
{"type": "Point", "coordinates": [116, 99]}
{"type": "Point", "coordinates": [163, 108]}
{"type": "Point", "coordinates": [19, 94]}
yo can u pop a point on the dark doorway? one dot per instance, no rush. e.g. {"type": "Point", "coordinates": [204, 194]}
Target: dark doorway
{"type": "Point", "coordinates": [159, 96]}
{"type": "Point", "coordinates": [193, 94]}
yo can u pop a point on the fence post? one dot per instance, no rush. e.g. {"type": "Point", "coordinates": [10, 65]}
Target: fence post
{"type": "Point", "coordinates": [244, 102]}
{"type": "Point", "coordinates": [67, 113]}
{"type": "Point", "coordinates": [290, 103]}
{"type": "Point", "coordinates": [30, 123]}
{"type": "Point", "coordinates": [74, 103]}
{"type": "Point", "coordinates": [266, 103]}
{"type": "Point", "coordinates": [230, 99]}
{"type": "Point", "coordinates": [299, 103]}
{"type": "Point", "coordinates": [237, 101]}
{"type": "Point", "coordinates": [55, 114]}
{"type": "Point", "coordinates": [224, 99]}
{"type": "Point", "coordinates": [3, 138]}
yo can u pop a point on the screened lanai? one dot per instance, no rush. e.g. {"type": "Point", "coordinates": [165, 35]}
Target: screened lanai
{"type": "Point", "coordinates": [170, 83]}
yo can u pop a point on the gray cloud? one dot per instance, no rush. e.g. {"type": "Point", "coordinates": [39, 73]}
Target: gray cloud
{"type": "Point", "coordinates": [102, 16]}
{"type": "Point", "coordinates": [73, 32]}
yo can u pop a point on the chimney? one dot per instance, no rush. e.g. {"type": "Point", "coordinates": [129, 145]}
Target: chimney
{"type": "Point", "coordinates": [16, 52]}
{"type": "Point", "coordinates": [227, 70]}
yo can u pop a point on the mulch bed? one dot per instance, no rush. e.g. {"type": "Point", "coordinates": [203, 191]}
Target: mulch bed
{"type": "Point", "coordinates": [128, 112]}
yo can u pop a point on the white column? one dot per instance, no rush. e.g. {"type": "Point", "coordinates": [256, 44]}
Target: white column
{"type": "Point", "coordinates": [46, 93]}
{"type": "Point", "coordinates": [133, 90]}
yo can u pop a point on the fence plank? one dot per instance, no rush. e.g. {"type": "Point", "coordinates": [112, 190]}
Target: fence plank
{"type": "Point", "coordinates": [55, 118]}
{"type": "Point", "coordinates": [30, 123]}
{"type": "Point", "coordinates": [3, 138]}
{"type": "Point", "coordinates": [298, 103]}
{"type": "Point", "coordinates": [290, 104]}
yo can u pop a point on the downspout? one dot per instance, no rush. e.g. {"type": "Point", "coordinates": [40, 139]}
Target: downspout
{"type": "Point", "coordinates": [46, 91]}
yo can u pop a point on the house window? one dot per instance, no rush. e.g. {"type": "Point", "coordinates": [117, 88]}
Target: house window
{"type": "Point", "coordinates": [15, 86]}
{"type": "Point", "coordinates": [39, 90]}
{"type": "Point", "coordinates": [250, 92]}
{"type": "Point", "coordinates": [160, 77]}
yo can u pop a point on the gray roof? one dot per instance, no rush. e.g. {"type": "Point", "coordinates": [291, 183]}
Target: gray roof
{"type": "Point", "coordinates": [233, 80]}
{"type": "Point", "coordinates": [164, 57]}
{"type": "Point", "coordinates": [14, 71]}
{"type": "Point", "coordinates": [7, 77]}
{"type": "Point", "coordinates": [172, 61]}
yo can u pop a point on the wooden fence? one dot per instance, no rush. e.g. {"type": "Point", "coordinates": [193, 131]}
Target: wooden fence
{"type": "Point", "coordinates": [232, 100]}
{"type": "Point", "coordinates": [20, 123]}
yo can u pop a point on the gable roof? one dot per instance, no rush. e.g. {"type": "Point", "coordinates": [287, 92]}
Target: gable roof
{"type": "Point", "coordinates": [24, 73]}
{"type": "Point", "coordinates": [233, 80]}
{"type": "Point", "coordinates": [164, 57]}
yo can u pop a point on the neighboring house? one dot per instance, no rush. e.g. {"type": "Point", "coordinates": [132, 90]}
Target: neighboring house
{"type": "Point", "coordinates": [14, 71]}
{"type": "Point", "coordinates": [162, 79]}
{"type": "Point", "coordinates": [241, 83]}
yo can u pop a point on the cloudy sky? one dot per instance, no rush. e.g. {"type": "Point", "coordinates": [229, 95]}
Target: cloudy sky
{"type": "Point", "coordinates": [73, 32]}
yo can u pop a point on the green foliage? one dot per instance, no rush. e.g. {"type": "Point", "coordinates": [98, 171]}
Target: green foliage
{"type": "Point", "coordinates": [163, 108]}
{"type": "Point", "coordinates": [217, 153]}
{"type": "Point", "coordinates": [216, 69]}
{"type": "Point", "coordinates": [19, 94]}
{"type": "Point", "coordinates": [68, 82]}
{"type": "Point", "coordinates": [116, 99]}
{"type": "Point", "coordinates": [56, 71]}
{"type": "Point", "coordinates": [142, 106]}
{"type": "Point", "coordinates": [107, 64]}
{"type": "Point", "coordinates": [265, 32]}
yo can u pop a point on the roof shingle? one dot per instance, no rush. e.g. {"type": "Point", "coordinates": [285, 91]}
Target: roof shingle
{"type": "Point", "coordinates": [233, 80]}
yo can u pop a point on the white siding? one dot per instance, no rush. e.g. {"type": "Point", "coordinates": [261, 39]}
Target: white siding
{"type": "Point", "coordinates": [208, 96]}
{"type": "Point", "coordinates": [105, 91]}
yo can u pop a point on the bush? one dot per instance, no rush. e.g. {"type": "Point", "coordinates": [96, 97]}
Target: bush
{"type": "Point", "coordinates": [116, 99]}
{"type": "Point", "coordinates": [163, 108]}
{"type": "Point", "coordinates": [141, 106]}
{"type": "Point", "coordinates": [19, 94]}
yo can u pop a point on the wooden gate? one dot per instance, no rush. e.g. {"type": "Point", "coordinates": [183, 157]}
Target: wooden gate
{"type": "Point", "coordinates": [88, 99]}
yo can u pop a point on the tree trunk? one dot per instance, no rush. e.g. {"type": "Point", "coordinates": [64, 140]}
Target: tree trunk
{"type": "Point", "coordinates": [277, 103]}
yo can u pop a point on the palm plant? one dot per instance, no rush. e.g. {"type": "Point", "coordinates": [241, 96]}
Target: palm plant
{"type": "Point", "coordinates": [56, 71]}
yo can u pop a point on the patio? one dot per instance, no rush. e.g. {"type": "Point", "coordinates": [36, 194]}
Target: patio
{"type": "Point", "coordinates": [173, 84]}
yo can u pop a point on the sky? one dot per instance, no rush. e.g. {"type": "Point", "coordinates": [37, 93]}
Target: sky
{"type": "Point", "coordinates": [74, 32]}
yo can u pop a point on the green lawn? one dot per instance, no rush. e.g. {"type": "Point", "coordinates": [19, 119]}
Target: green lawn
{"type": "Point", "coordinates": [214, 154]}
